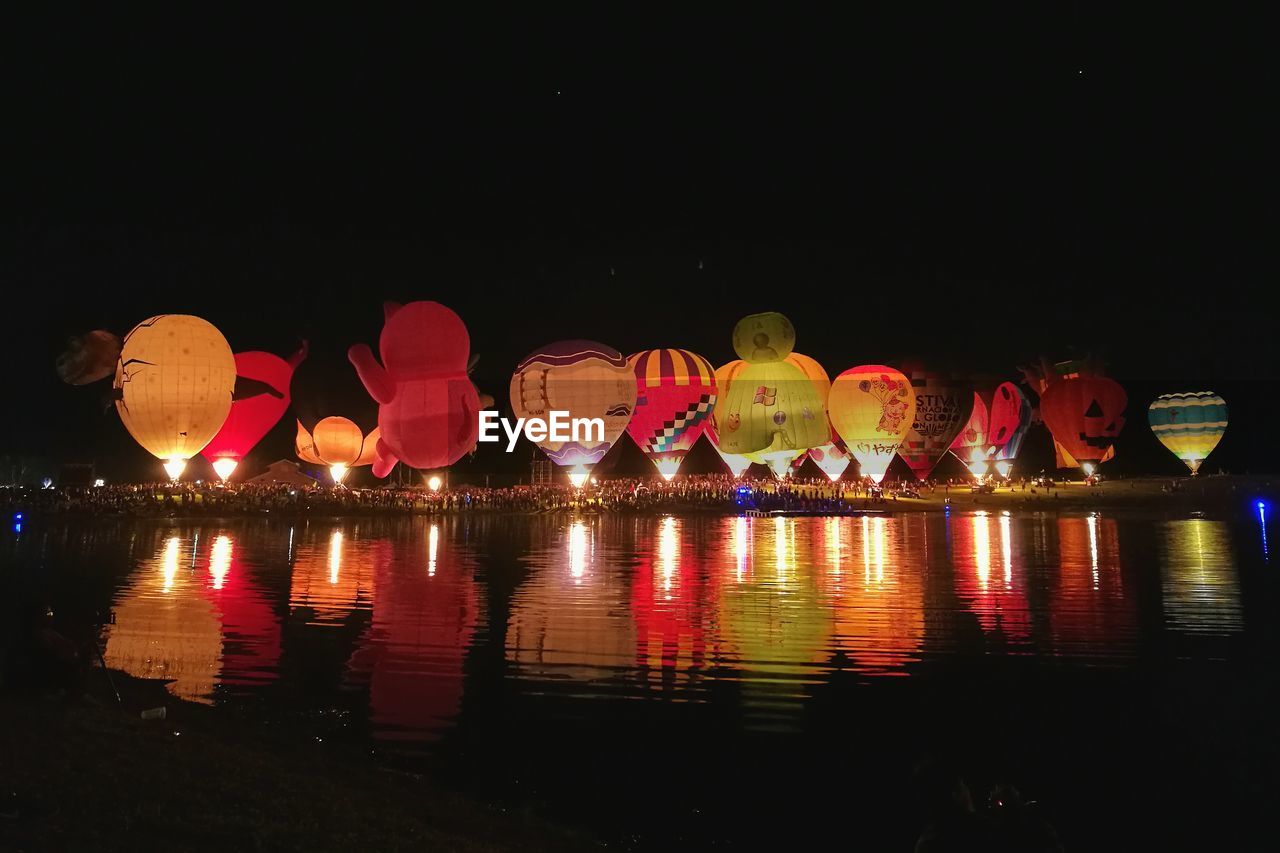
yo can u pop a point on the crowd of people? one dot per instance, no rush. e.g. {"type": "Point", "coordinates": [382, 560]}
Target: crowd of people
{"type": "Point", "coordinates": [695, 492]}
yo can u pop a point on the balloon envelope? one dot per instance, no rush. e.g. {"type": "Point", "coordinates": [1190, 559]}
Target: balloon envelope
{"type": "Point", "coordinates": [871, 408]}
{"type": "Point", "coordinates": [262, 381]}
{"type": "Point", "coordinates": [675, 394]}
{"type": "Point", "coordinates": [970, 444]}
{"type": "Point", "coordinates": [769, 405]}
{"type": "Point", "coordinates": [1085, 414]}
{"type": "Point", "coordinates": [1010, 420]}
{"type": "Point", "coordinates": [88, 358]}
{"type": "Point", "coordinates": [428, 412]}
{"type": "Point", "coordinates": [943, 406]}
{"type": "Point", "coordinates": [585, 379]}
{"type": "Point", "coordinates": [1190, 425]}
{"type": "Point", "coordinates": [736, 462]}
{"type": "Point", "coordinates": [174, 379]}
{"type": "Point", "coordinates": [336, 441]}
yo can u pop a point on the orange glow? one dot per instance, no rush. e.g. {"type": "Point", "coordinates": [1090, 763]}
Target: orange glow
{"type": "Point", "coordinates": [224, 466]}
{"type": "Point", "coordinates": [667, 467]}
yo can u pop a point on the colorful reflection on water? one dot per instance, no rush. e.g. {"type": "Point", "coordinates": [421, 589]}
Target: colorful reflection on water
{"type": "Point", "coordinates": [412, 615]}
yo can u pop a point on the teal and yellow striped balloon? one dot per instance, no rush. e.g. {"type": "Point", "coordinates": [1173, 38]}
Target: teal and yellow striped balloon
{"type": "Point", "coordinates": [1190, 425]}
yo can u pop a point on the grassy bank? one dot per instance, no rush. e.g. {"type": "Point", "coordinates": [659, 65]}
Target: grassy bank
{"type": "Point", "coordinates": [85, 776]}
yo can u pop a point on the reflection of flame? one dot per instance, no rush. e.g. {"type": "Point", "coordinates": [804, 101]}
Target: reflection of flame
{"type": "Point", "coordinates": [335, 555]}
{"type": "Point", "coordinates": [220, 560]}
{"type": "Point", "coordinates": [780, 551]}
{"type": "Point", "coordinates": [1006, 549]}
{"type": "Point", "coordinates": [668, 551]}
{"type": "Point", "coordinates": [1093, 548]}
{"type": "Point", "coordinates": [833, 544]}
{"type": "Point", "coordinates": [577, 549]}
{"type": "Point", "coordinates": [982, 548]}
{"type": "Point", "coordinates": [170, 564]}
{"type": "Point", "coordinates": [741, 544]}
{"type": "Point", "coordinates": [433, 542]}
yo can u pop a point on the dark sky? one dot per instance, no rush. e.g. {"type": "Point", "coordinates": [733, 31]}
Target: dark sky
{"type": "Point", "coordinates": [965, 187]}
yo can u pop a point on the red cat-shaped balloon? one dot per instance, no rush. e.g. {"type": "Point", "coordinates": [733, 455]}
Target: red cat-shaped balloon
{"type": "Point", "coordinates": [427, 407]}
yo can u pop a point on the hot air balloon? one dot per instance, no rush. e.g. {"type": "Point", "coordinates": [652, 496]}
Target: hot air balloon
{"type": "Point", "coordinates": [872, 408]}
{"type": "Point", "coordinates": [1190, 425]}
{"type": "Point", "coordinates": [675, 393]}
{"type": "Point", "coordinates": [338, 444]}
{"type": "Point", "coordinates": [971, 445]}
{"type": "Point", "coordinates": [832, 458]}
{"type": "Point", "coordinates": [586, 380]}
{"type": "Point", "coordinates": [260, 400]}
{"type": "Point", "coordinates": [1085, 414]}
{"type": "Point", "coordinates": [173, 386]}
{"type": "Point", "coordinates": [427, 406]}
{"type": "Point", "coordinates": [943, 406]}
{"type": "Point", "coordinates": [737, 463]}
{"type": "Point", "coordinates": [88, 358]}
{"type": "Point", "coordinates": [1010, 420]}
{"type": "Point", "coordinates": [770, 407]}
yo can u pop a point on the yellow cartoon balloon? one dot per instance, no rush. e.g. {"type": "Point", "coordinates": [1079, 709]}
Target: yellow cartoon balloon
{"type": "Point", "coordinates": [173, 386]}
{"type": "Point", "coordinates": [872, 408]}
{"type": "Point", "coordinates": [770, 406]}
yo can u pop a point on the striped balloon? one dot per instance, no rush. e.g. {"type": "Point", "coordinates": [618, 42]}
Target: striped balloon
{"type": "Point", "coordinates": [1190, 425]}
{"type": "Point", "coordinates": [675, 394]}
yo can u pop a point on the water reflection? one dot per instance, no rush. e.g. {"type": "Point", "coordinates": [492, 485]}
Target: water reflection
{"type": "Point", "coordinates": [761, 612]}
{"type": "Point", "coordinates": [570, 619]}
{"type": "Point", "coordinates": [191, 628]}
{"type": "Point", "coordinates": [991, 585]}
{"type": "Point", "coordinates": [330, 580]}
{"type": "Point", "coordinates": [1199, 582]}
{"type": "Point", "coordinates": [424, 617]}
{"type": "Point", "coordinates": [879, 615]}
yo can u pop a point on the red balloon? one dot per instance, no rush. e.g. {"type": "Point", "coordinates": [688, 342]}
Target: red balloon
{"type": "Point", "coordinates": [1009, 412]}
{"type": "Point", "coordinates": [675, 394]}
{"type": "Point", "coordinates": [427, 407]}
{"type": "Point", "coordinates": [261, 397]}
{"type": "Point", "coordinates": [1085, 414]}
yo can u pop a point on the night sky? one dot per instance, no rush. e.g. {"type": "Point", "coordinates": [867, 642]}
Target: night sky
{"type": "Point", "coordinates": [971, 189]}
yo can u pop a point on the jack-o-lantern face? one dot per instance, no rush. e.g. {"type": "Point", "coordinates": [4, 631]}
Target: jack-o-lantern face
{"type": "Point", "coordinates": [1085, 414]}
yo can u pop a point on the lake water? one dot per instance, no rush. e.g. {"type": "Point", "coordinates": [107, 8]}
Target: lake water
{"type": "Point", "coordinates": [694, 680]}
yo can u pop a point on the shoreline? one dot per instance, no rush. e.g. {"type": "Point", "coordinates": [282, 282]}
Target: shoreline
{"type": "Point", "coordinates": [1222, 494]}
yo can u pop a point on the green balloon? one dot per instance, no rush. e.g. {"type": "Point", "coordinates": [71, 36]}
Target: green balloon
{"type": "Point", "coordinates": [762, 338]}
